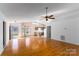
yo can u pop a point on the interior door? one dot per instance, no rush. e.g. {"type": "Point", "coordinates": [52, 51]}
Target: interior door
{"type": "Point", "coordinates": [4, 33]}
{"type": "Point", "coordinates": [49, 32]}
{"type": "Point", "coordinates": [10, 32]}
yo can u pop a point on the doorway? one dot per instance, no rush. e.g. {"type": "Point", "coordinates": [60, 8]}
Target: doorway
{"type": "Point", "coordinates": [18, 30]}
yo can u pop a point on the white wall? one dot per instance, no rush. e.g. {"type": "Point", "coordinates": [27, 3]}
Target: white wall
{"type": "Point", "coordinates": [7, 33]}
{"type": "Point", "coordinates": [67, 27]}
{"type": "Point", "coordinates": [1, 36]}
{"type": "Point", "coordinates": [1, 32]}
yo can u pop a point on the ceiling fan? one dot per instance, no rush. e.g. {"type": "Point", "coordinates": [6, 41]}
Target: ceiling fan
{"type": "Point", "coordinates": [48, 17]}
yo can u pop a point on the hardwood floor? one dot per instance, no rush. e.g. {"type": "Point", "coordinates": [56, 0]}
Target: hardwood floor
{"type": "Point", "coordinates": [36, 46]}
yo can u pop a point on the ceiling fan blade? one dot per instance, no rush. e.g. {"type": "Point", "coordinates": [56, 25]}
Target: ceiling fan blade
{"type": "Point", "coordinates": [51, 15]}
{"type": "Point", "coordinates": [42, 17]}
{"type": "Point", "coordinates": [52, 18]}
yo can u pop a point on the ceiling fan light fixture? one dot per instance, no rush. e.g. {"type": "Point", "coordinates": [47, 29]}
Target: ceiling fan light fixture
{"type": "Point", "coordinates": [46, 19]}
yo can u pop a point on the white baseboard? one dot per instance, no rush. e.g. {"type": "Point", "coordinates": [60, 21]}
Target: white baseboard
{"type": "Point", "coordinates": [67, 42]}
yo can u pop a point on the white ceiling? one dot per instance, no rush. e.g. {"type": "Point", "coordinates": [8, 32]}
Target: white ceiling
{"type": "Point", "coordinates": [33, 10]}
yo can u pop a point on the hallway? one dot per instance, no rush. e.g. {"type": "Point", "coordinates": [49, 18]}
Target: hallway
{"type": "Point", "coordinates": [37, 46]}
